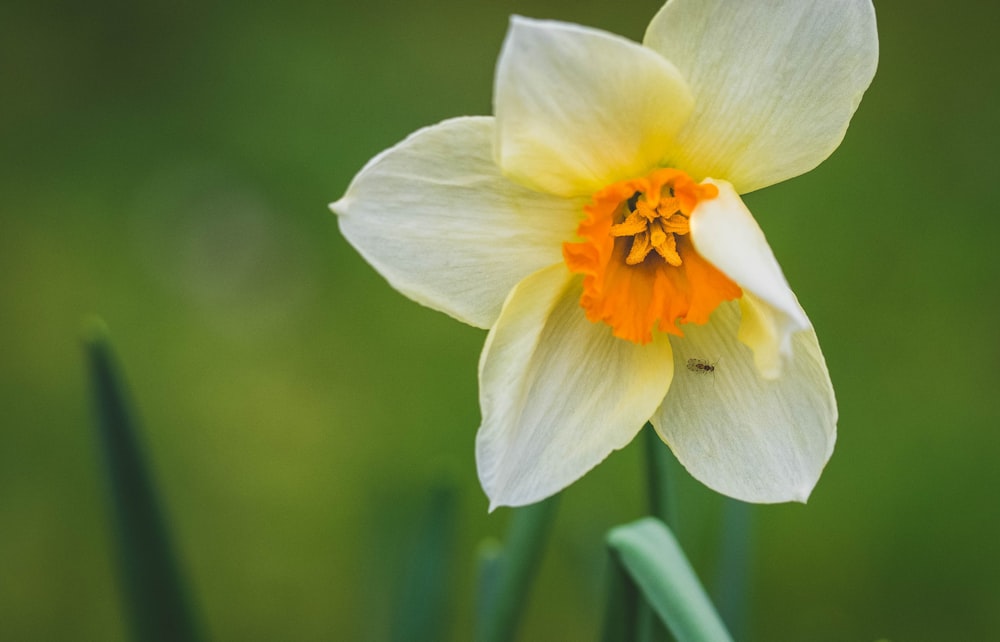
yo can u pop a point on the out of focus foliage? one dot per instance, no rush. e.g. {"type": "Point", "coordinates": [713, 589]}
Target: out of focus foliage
{"type": "Point", "coordinates": [167, 166]}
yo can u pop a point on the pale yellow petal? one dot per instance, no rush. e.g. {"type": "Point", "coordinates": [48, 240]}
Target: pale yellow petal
{"type": "Point", "coordinates": [775, 82]}
{"type": "Point", "coordinates": [725, 233]}
{"type": "Point", "coordinates": [435, 217]}
{"type": "Point", "coordinates": [578, 108]}
{"type": "Point", "coordinates": [745, 436]}
{"type": "Point", "coordinates": [558, 393]}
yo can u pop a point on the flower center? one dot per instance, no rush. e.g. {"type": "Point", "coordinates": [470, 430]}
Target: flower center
{"type": "Point", "coordinates": [640, 268]}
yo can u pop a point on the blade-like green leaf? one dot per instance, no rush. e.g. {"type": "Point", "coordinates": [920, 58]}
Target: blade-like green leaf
{"type": "Point", "coordinates": [504, 590]}
{"type": "Point", "coordinates": [651, 557]}
{"type": "Point", "coordinates": [155, 597]}
{"type": "Point", "coordinates": [421, 609]}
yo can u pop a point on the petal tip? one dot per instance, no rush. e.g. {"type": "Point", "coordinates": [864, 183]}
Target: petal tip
{"type": "Point", "coordinates": [518, 22]}
{"type": "Point", "coordinates": [339, 207]}
{"type": "Point", "coordinates": [801, 495]}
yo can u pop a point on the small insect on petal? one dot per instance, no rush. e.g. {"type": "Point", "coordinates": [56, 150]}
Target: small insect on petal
{"type": "Point", "coordinates": [701, 366]}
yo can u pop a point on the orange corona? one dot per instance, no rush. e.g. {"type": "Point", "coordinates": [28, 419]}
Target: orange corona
{"type": "Point", "coordinates": [640, 269]}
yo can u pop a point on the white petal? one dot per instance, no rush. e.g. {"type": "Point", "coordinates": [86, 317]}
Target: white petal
{"type": "Point", "coordinates": [742, 435]}
{"type": "Point", "coordinates": [724, 231]}
{"type": "Point", "coordinates": [775, 81]}
{"type": "Point", "coordinates": [579, 108]}
{"type": "Point", "coordinates": [434, 216]}
{"type": "Point", "coordinates": [558, 393]}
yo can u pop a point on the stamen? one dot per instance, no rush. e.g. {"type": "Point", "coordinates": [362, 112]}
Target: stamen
{"type": "Point", "coordinates": [641, 248]}
{"type": "Point", "coordinates": [640, 269]}
{"type": "Point", "coordinates": [647, 211]}
{"type": "Point", "coordinates": [676, 224]}
{"type": "Point", "coordinates": [668, 250]}
{"type": "Point", "coordinates": [657, 235]}
{"type": "Point", "coordinates": [634, 224]}
{"type": "Point", "coordinates": [652, 218]}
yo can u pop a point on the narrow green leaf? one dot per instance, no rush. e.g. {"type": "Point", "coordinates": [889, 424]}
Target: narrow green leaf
{"type": "Point", "coordinates": [502, 602]}
{"type": "Point", "coordinates": [421, 609]}
{"type": "Point", "coordinates": [651, 557]}
{"type": "Point", "coordinates": [156, 600]}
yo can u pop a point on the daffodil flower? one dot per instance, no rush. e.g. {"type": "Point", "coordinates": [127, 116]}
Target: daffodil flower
{"type": "Point", "coordinates": [594, 226]}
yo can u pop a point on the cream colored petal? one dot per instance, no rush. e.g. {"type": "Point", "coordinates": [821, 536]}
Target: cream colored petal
{"type": "Point", "coordinates": [725, 233]}
{"type": "Point", "coordinates": [558, 393]}
{"type": "Point", "coordinates": [754, 439]}
{"type": "Point", "coordinates": [434, 216]}
{"type": "Point", "coordinates": [579, 108]}
{"type": "Point", "coordinates": [775, 82]}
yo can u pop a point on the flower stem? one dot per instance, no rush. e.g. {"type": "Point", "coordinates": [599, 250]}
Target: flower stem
{"type": "Point", "coordinates": [422, 606]}
{"type": "Point", "coordinates": [732, 580]}
{"type": "Point", "coordinates": [660, 474]}
{"type": "Point", "coordinates": [508, 573]}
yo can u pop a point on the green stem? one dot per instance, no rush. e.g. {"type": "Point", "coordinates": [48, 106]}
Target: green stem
{"type": "Point", "coordinates": [621, 620]}
{"type": "Point", "coordinates": [660, 475]}
{"type": "Point", "coordinates": [422, 605]}
{"type": "Point", "coordinates": [649, 627]}
{"type": "Point", "coordinates": [512, 571]}
{"type": "Point", "coordinates": [733, 577]}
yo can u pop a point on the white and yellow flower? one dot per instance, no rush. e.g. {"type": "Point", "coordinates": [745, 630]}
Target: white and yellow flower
{"type": "Point", "coordinates": [594, 225]}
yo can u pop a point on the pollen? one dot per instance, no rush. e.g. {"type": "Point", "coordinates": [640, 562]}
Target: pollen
{"type": "Point", "coordinates": [641, 271]}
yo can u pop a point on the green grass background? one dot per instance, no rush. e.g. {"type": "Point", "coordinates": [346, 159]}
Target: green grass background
{"type": "Point", "coordinates": [167, 165]}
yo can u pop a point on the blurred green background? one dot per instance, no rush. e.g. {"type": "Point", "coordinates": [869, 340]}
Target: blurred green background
{"type": "Point", "coordinates": [167, 165]}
